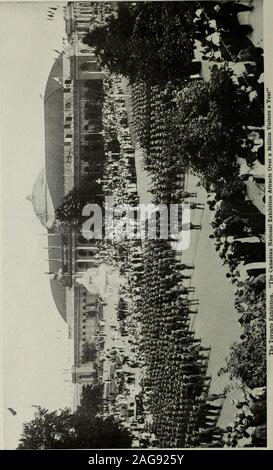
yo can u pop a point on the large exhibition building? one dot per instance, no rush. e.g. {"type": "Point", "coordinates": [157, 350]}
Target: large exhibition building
{"type": "Point", "coordinates": [73, 151]}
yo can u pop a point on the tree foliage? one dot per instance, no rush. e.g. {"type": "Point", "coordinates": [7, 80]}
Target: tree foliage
{"type": "Point", "coordinates": [70, 211]}
{"type": "Point", "coordinates": [91, 399]}
{"type": "Point", "coordinates": [64, 429]}
{"type": "Point", "coordinates": [150, 41]}
{"type": "Point", "coordinates": [89, 352]}
{"type": "Point", "coordinates": [247, 359]}
{"type": "Point", "coordinates": [209, 127]}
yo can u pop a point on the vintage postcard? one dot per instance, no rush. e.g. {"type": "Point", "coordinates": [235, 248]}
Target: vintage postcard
{"type": "Point", "coordinates": [136, 225]}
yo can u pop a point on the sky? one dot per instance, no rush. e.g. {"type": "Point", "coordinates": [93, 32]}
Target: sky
{"type": "Point", "coordinates": [36, 351]}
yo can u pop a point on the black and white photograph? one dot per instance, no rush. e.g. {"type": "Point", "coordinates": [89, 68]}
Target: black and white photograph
{"type": "Point", "coordinates": [135, 149]}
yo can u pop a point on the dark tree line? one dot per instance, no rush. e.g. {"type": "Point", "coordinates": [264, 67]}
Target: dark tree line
{"type": "Point", "coordinates": [82, 429]}
{"type": "Point", "coordinates": [151, 41]}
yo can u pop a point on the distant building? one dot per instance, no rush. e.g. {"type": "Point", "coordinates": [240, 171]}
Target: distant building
{"type": "Point", "coordinates": [74, 151]}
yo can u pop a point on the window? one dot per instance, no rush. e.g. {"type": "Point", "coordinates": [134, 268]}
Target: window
{"type": "Point", "coordinates": [90, 66]}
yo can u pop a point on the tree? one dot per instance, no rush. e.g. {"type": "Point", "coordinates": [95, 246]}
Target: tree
{"type": "Point", "coordinates": [89, 352]}
{"type": "Point", "coordinates": [91, 399]}
{"type": "Point", "coordinates": [47, 429]}
{"type": "Point", "coordinates": [70, 211]}
{"type": "Point", "coordinates": [247, 359]}
{"type": "Point", "coordinates": [150, 41]}
{"type": "Point", "coordinates": [209, 127]}
{"type": "Point", "coordinates": [67, 430]}
{"type": "Point", "coordinates": [111, 39]}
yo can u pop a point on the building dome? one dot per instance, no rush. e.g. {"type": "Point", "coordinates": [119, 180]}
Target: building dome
{"type": "Point", "coordinates": [48, 189]}
{"type": "Point", "coordinates": [54, 133]}
{"type": "Point", "coordinates": [54, 171]}
{"type": "Point", "coordinates": [43, 207]}
{"type": "Point", "coordinates": [42, 201]}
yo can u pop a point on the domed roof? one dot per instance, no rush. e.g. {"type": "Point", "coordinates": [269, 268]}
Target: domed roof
{"type": "Point", "coordinates": [59, 296]}
{"type": "Point", "coordinates": [54, 171]}
{"type": "Point", "coordinates": [54, 133]}
{"type": "Point", "coordinates": [42, 201]}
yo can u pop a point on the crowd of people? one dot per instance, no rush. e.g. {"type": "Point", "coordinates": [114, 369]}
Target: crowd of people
{"type": "Point", "coordinates": [178, 408]}
{"type": "Point", "coordinates": [239, 237]}
{"type": "Point", "coordinates": [151, 108]}
{"type": "Point", "coordinates": [120, 171]}
{"type": "Point", "coordinates": [248, 428]}
{"type": "Point", "coordinates": [172, 360]}
{"type": "Point", "coordinates": [238, 211]}
{"type": "Point", "coordinates": [221, 38]}
{"type": "Point", "coordinates": [219, 31]}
